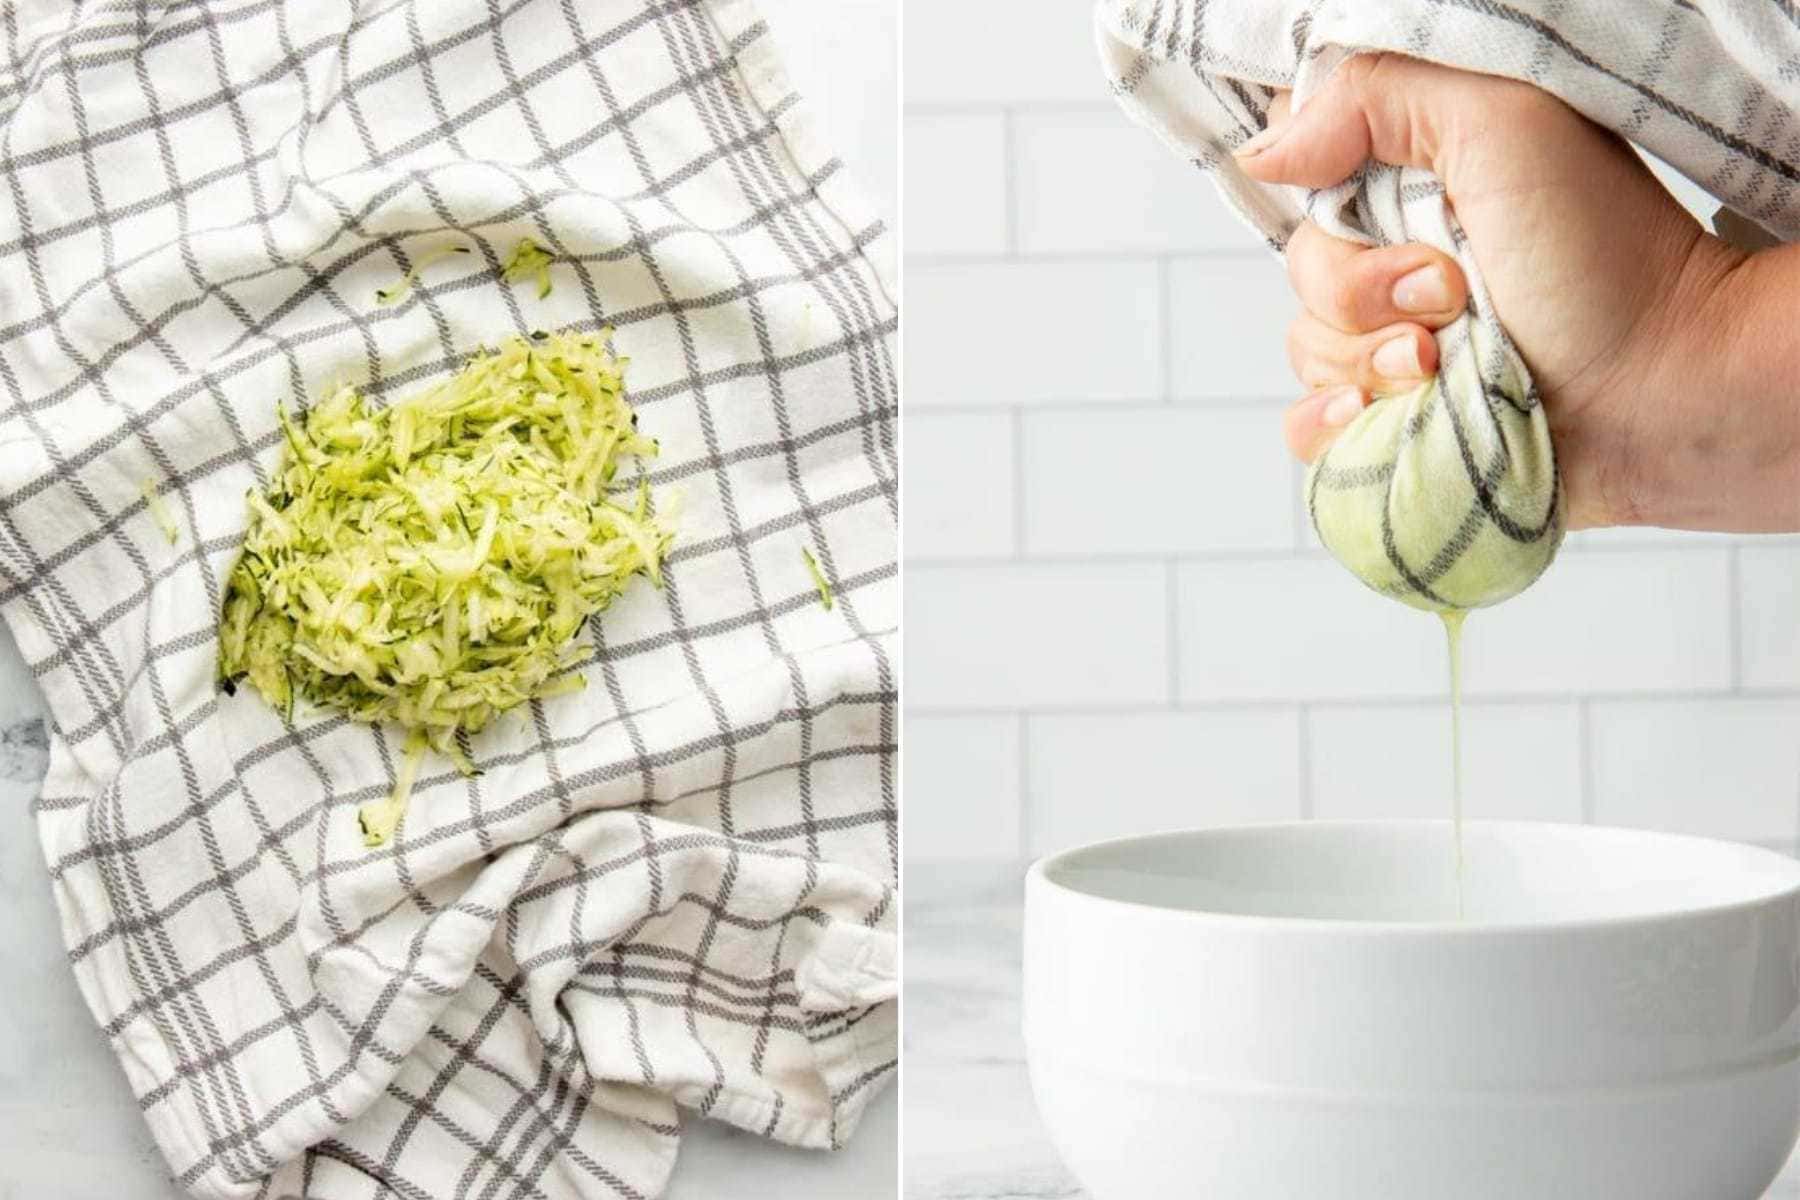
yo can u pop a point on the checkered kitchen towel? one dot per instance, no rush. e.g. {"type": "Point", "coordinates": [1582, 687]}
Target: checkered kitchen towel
{"type": "Point", "coordinates": [1448, 497]}
{"type": "Point", "coordinates": [672, 889]}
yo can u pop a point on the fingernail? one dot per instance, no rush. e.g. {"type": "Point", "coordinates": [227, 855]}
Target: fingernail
{"type": "Point", "coordinates": [1425, 290]}
{"type": "Point", "coordinates": [1260, 142]}
{"type": "Point", "coordinates": [1342, 408]}
{"type": "Point", "coordinates": [1397, 358]}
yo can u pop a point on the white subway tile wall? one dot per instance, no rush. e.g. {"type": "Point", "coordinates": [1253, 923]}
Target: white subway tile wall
{"type": "Point", "coordinates": [1106, 775]}
{"type": "Point", "coordinates": [1227, 321]}
{"type": "Point", "coordinates": [1769, 616]}
{"type": "Point", "coordinates": [952, 518]}
{"type": "Point", "coordinates": [1150, 480]}
{"type": "Point", "coordinates": [971, 217]}
{"type": "Point", "coordinates": [1720, 766]}
{"type": "Point", "coordinates": [1146, 206]}
{"type": "Point", "coordinates": [1018, 331]}
{"type": "Point", "coordinates": [962, 787]}
{"type": "Point", "coordinates": [1013, 637]}
{"type": "Point", "coordinates": [1520, 761]}
{"type": "Point", "coordinates": [1118, 619]}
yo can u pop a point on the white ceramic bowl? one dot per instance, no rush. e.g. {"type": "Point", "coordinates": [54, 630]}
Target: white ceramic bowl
{"type": "Point", "coordinates": [1294, 1012]}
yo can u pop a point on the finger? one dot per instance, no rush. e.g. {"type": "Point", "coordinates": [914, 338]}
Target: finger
{"type": "Point", "coordinates": [1281, 110]}
{"type": "Point", "coordinates": [1382, 106]}
{"type": "Point", "coordinates": [1276, 120]}
{"type": "Point", "coordinates": [1361, 288]}
{"type": "Point", "coordinates": [1388, 360]}
{"type": "Point", "coordinates": [1312, 424]}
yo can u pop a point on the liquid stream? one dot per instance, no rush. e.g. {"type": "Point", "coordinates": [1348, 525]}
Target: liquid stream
{"type": "Point", "coordinates": [1453, 627]}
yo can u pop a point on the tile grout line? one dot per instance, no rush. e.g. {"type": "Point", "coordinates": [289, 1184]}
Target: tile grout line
{"type": "Point", "coordinates": [1009, 186]}
{"type": "Point", "coordinates": [1270, 404]}
{"type": "Point", "coordinates": [983, 108]}
{"type": "Point", "coordinates": [1420, 700]}
{"type": "Point", "coordinates": [940, 260]}
{"type": "Point", "coordinates": [1263, 554]}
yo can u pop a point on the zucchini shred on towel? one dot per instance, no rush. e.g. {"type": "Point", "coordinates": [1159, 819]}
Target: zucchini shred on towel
{"type": "Point", "coordinates": [429, 564]}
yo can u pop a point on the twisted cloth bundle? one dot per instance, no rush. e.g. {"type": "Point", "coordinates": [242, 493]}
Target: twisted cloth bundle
{"type": "Point", "coordinates": [1447, 496]}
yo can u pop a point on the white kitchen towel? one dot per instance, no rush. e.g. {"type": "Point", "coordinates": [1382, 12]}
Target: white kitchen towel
{"type": "Point", "coordinates": [673, 889]}
{"type": "Point", "coordinates": [1448, 498]}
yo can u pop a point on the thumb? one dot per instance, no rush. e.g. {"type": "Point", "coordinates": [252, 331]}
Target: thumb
{"type": "Point", "coordinates": [1382, 106]}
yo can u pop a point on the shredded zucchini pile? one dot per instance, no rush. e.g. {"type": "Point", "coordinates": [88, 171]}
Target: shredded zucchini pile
{"type": "Point", "coordinates": [429, 564]}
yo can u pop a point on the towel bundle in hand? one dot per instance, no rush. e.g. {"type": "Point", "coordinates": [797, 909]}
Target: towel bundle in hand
{"type": "Point", "coordinates": [1447, 497]}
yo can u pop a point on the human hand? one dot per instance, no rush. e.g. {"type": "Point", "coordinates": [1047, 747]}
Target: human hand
{"type": "Point", "coordinates": [1625, 310]}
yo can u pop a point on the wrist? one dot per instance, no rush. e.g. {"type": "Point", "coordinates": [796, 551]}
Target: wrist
{"type": "Point", "coordinates": [1739, 433]}
{"type": "Point", "coordinates": [1702, 430]}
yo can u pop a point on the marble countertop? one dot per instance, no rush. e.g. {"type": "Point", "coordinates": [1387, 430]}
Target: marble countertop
{"type": "Point", "coordinates": [69, 1127]}
{"type": "Point", "coordinates": [972, 1131]}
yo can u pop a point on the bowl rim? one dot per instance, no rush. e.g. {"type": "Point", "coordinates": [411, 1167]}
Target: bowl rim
{"type": "Point", "coordinates": [1039, 877]}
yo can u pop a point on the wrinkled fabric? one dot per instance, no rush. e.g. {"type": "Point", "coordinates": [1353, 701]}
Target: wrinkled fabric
{"type": "Point", "coordinates": [672, 890]}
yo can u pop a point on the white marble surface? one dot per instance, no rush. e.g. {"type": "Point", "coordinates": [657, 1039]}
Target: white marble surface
{"type": "Point", "coordinates": [69, 1128]}
{"type": "Point", "coordinates": [972, 1132]}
